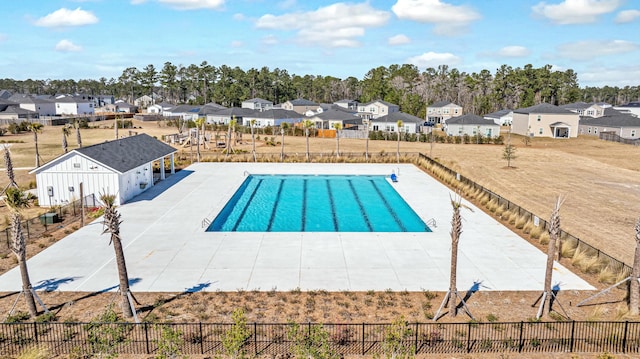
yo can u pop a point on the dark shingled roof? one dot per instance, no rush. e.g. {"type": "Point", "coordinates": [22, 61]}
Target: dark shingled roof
{"type": "Point", "coordinates": [440, 104]}
{"type": "Point", "coordinates": [497, 114]}
{"type": "Point", "coordinates": [302, 102]}
{"type": "Point", "coordinates": [334, 114]}
{"type": "Point", "coordinates": [631, 104]}
{"type": "Point", "coordinates": [544, 108]}
{"type": "Point", "coordinates": [470, 119]}
{"type": "Point", "coordinates": [278, 114]}
{"type": "Point", "coordinates": [395, 116]}
{"type": "Point", "coordinates": [616, 120]}
{"type": "Point", "coordinates": [127, 153]}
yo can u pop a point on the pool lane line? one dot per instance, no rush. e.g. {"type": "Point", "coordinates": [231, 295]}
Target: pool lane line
{"type": "Point", "coordinates": [275, 206]}
{"type": "Point", "coordinates": [304, 204]}
{"type": "Point", "coordinates": [364, 213]}
{"type": "Point", "coordinates": [333, 207]}
{"type": "Point", "coordinates": [389, 207]}
{"type": "Point", "coordinates": [246, 206]}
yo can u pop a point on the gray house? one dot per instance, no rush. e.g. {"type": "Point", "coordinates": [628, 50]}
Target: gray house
{"type": "Point", "coordinates": [257, 104]}
{"type": "Point", "coordinates": [472, 125]}
{"type": "Point", "coordinates": [622, 124]}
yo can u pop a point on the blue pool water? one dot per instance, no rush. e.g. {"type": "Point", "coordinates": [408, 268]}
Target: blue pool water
{"type": "Point", "coordinates": [323, 203]}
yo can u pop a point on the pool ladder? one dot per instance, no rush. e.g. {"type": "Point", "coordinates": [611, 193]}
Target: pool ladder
{"type": "Point", "coordinates": [206, 222]}
{"type": "Point", "coordinates": [432, 223]}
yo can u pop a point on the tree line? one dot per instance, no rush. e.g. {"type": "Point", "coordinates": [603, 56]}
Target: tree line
{"type": "Point", "coordinates": [477, 92]}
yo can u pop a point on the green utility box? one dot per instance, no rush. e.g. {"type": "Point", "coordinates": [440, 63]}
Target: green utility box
{"type": "Point", "coordinates": [49, 218]}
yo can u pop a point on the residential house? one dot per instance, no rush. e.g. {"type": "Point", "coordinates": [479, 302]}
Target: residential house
{"type": "Point", "coordinates": [43, 106]}
{"type": "Point", "coordinates": [472, 125]}
{"type": "Point", "coordinates": [122, 167]}
{"type": "Point", "coordinates": [631, 108]}
{"type": "Point", "coordinates": [257, 104]}
{"type": "Point", "coordinates": [274, 117]}
{"type": "Point", "coordinates": [377, 108]}
{"type": "Point", "coordinates": [224, 117]}
{"type": "Point", "coordinates": [121, 107]}
{"type": "Point", "coordinates": [103, 100]}
{"type": "Point", "coordinates": [502, 117]}
{"type": "Point", "coordinates": [159, 108]}
{"type": "Point", "coordinates": [327, 119]}
{"type": "Point", "coordinates": [545, 120]}
{"type": "Point", "coordinates": [183, 112]}
{"type": "Point", "coordinates": [622, 124]}
{"type": "Point", "coordinates": [145, 101]}
{"type": "Point", "coordinates": [5, 94]}
{"type": "Point", "coordinates": [73, 105]}
{"type": "Point", "coordinates": [16, 114]}
{"type": "Point", "coordinates": [351, 105]}
{"type": "Point", "coordinates": [210, 108]}
{"type": "Point", "coordinates": [389, 123]}
{"type": "Point", "coordinates": [586, 109]}
{"type": "Point", "coordinates": [300, 105]}
{"type": "Point", "coordinates": [440, 112]}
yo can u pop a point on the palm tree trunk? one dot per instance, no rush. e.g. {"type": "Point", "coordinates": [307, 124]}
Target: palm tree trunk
{"type": "Point", "coordinates": [122, 276]}
{"type": "Point", "coordinates": [253, 144]}
{"type": "Point", "coordinates": [337, 143]}
{"type": "Point", "coordinates": [634, 286]}
{"type": "Point", "coordinates": [19, 248]}
{"type": "Point", "coordinates": [9, 165]}
{"type": "Point", "coordinates": [78, 137]}
{"type": "Point", "coordinates": [307, 135]}
{"type": "Point", "coordinates": [456, 230]}
{"type": "Point", "coordinates": [282, 147]}
{"type": "Point", "coordinates": [554, 233]}
{"type": "Point", "coordinates": [26, 288]}
{"type": "Point", "coordinates": [35, 139]}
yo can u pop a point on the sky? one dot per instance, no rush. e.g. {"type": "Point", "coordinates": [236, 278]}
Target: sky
{"type": "Point", "coordinates": [90, 39]}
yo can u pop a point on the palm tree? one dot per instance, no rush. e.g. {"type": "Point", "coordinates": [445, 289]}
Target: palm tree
{"type": "Point", "coordinates": [399, 124]}
{"type": "Point", "coordinates": [9, 165]}
{"type": "Point", "coordinates": [554, 235]}
{"type": "Point", "coordinates": [307, 124]}
{"type": "Point", "coordinates": [36, 128]}
{"type": "Point", "coordinates": [253, 139]}
{"type": "Point", "coordinates": [116, 125]}
{"type": "Point", "coordinates": [78, 137]}
{"type": "Point", "coordinates": [65, 134]}
{"type": "Point", "coordinates": [232, 124]}
{"type": "Point", "coordinates": [112, 227]}
{"type": "Point", "coordinates": [634, 295]}
{"type": "Point", "coordinates": [338, 127]}
{"type": "Point", "coordinates": [456, 231]}
{"type": "Point", "coordinates": [283, 129]}
{"type": "Point", "coordinates": [17, 200]}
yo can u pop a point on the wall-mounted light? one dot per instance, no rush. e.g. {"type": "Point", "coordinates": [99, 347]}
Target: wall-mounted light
{"type": "Point", "coordinates": [71, 189]}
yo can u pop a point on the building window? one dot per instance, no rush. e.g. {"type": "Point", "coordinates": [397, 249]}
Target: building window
{"type": "Point", "coordinates": [540, 130]}
{"type": "Point", "coordinates": [376, 128]}
{"type": "Point", "coordinates": [455, 111]}
{"type": "Point", "coordinates": [633, 133]}
{"type": "Point", "coordinates": [595, 130]}
{"type": "Point", "coordinates": [539, 118]}
{"type": "Point", "coordinates": [446, 110]}
{"type": "Point", "coordinates": [589, 130]}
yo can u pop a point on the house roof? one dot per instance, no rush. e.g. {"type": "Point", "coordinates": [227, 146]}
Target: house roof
{"type": "Point", "coordinates": [470, 119]}
{"type": "Point", "coordinates": [616, 120]}
{"type": "Point", "coordinates": [335, 114]}
{"type": "Point", "coordinates": [497, 114]}
{"type": "Point", "coordinates": [442, 104]}
{"type": "Point", "coordinates": [5, 94]}
{"type": "Point", "coordinates": [19, 111]}
{"type": "Point", "coordinates": [396, 116]}
{"type": "Point", "coordinates": [258, 100]}
{"type": "Point", "coordinates": [631, 104]}
{"type": "Point", "coordinates": [278, 113]}
{"type": "Point", "coordinates": [163, 105]}
{"type": "Point", "coordinates": [21, 98]}
{"type": "Point", "coordinates": [544, 108]}
{"type": "Point", "coordinates": [184, 108]}
{"type": "Point", "coordinates": [576, 106]}
{"type": "Point", "coordinates": [345, 101]}
{"type": "Point", "coordinates": [302, 102]}
{"type": "Point", "coordinates": [210, 108]}
{"type": "Point", "coordinates": [234, 111]}
{"type": "Point", "coordinates": [388, 104]}
{"type": "Point", "coordinates": [121, 155]}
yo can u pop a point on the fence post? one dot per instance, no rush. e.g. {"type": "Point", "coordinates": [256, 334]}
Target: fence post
{"type": "Point", "coordinates": [416, 339]}
{"type": "Point", "coordinates": [362, 338]}
{"type": "Point", "coordinates": [255, 337]}
{"type": "Point", "coordinates": [521, 342]}
{"type": "Point", "coordinates": [468, 337]}
{"type": "Point", "coordinates": [573, 332]}
{"type": "Point", "coordinates": [624, 338]}
{"type": "Point", "coordinates": [201, 339]}
{"type": "Point", "coordinates": [35, 332]}
{"type": "Point", "coordinates": [146, 336]}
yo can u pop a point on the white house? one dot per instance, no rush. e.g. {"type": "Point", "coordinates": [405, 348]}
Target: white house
{"type": "Point", "coordinates": [377, 108]}
{"type": "Point", "coordinates": [274, 117]}
{"type": "Point", "coordinates": [71, 105]}
{"type": "Point", "coordinates": [389, 123]}
{"type": "Point", "coordinates": [502, 117]}
{"type": "Point", "coordinates": [184, 112]}
{"type": "Point", "coordinates": [441, 111]}
{"type": "Point", "coordinates": [545, 120]}
{"type": "Point", "coordinates": [159, 108]}
{"type": "Point", "coordinates": [43, 106]}
{"type": "Point", "coordinates": [224, 117]}
{"type": "Point", "coordinates": [472, 125]}
{"type": "Point", "coordinates": [257, 104]}
{"type": "Point", "coordinates": [632, 108]}
{"type": "Point", "coordinates": [121, 167]}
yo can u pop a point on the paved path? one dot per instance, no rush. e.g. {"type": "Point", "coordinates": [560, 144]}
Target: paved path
{"type": "Point", "coordinates": [167, 249]}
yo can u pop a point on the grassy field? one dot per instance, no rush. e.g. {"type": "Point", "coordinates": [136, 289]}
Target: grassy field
{"type": "Point", "coordinates": [600, 179]}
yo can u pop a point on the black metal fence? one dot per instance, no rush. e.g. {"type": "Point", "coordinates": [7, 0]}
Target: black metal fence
{"type": "Point", "coordinates": [614, 137]}
{"type": "Point", "coordinates": [35, 227]}
{"type": "Point", "coordinates": [614, 265]}
{"type": "Point", "coordinates": [347, 339]}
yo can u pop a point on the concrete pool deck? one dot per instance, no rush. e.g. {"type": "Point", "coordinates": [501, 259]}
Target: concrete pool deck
{"type": "Point", "coordinates": [168, 250]}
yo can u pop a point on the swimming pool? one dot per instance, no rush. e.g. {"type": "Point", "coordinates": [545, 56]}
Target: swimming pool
{"type": "Point", "coordinates": [317, 203]}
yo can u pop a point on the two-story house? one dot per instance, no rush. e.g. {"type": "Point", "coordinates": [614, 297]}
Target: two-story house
{"type": "Point", "coordinates": [545, 120]}
{"type": "Point", "coordinates": [375, 109]}
{"type": "Point", "coordinates": [300, 105]}
{"type": "Point", "coordinates": [257, 104]}
{"type": "Point", "coordinates": [440, 112]}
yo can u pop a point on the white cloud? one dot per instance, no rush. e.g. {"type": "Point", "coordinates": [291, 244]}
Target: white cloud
{"type": "Point", "coordinates": [67, 46]}
{"type": "Point", "coordinates": [434, 59]}
{"type": "Point", "coordinates": [65, 17]}
{"type": "Point", "coordinates": [575, 11]}
{"type": "Point", "coordinates": [187, 4]}
{"type": "Point", "coordinates": [286, 4]}
{"type": "Point", "coordinates": [514, 51]}
{"type": "Point", "coordinates": [398, 40]}
{"type": "Point", "coordinates": [237, 43]}
{"type": "Point", "coordinates": [587, 50]}
{"type": "Point", "coordinates": [620, 76]}
{"type": "Point", "coordinates": [238, 16]}
{"type": "Point", "coordinates": [448, 19]}
{"type": "Point", "coordinates": [627, 16]}
{"type": "Point", "coordinates": [336, 25]}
